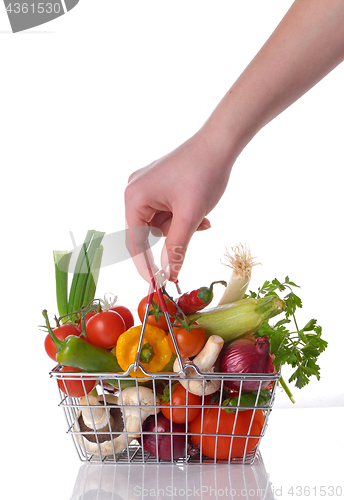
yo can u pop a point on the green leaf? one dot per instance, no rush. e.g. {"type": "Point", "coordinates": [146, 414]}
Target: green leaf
{"type": "Point", "coordinates": [300, 377]}
{"type": "Point", "coordinates": [310, 325]}
{"type": "Point", "coordinates": [292, 303]}
{"type": "Point", "coordinates": [290, 283]}
{"type": "Point", "coordinates": [278, 285]}
{"type": "Point", "coordinates": [283, 321]}
{"type": "Point", "coordinates": [289, 345]}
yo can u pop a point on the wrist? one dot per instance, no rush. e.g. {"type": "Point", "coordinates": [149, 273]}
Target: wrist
{"type": "Point", "coordinates": [218, 145]}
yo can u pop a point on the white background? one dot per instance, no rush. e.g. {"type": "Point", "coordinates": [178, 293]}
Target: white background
{"type": "Point", "coordinates": [90, 97]}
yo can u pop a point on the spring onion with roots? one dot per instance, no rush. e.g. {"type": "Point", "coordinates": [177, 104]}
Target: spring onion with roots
{"type": "Point", "coordinates": [241, 263]}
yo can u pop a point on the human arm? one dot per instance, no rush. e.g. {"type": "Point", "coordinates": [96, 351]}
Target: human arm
{"type": "Point", "coordinates": [176, 192]}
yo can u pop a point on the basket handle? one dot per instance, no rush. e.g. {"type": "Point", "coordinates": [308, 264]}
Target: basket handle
{"type": "Point", "coordinates": [155, 285]}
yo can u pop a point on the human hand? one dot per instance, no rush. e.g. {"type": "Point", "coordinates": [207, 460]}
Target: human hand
{"type": "Point", "coordinates": [174, 195]}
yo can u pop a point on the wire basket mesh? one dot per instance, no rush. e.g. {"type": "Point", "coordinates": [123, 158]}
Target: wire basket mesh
{"type": "Point", "coordinates": [111, 427]}
{"type": "Point", "coordinates": [126, 422]}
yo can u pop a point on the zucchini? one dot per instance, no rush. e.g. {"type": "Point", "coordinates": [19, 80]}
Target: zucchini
{"type": "Point", "coordinates": [239, 318]}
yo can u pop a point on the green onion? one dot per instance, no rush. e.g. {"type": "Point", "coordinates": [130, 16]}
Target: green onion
{"type": "Point", "coordinates": [78, 300]}
{"type": "Point", "coordinates": [79, 268]}
{"type": "Point", "coordinates": [92, 278]}
{"type": "Point", "coordinates": [61, 261]}
{"type": "Point", "coordinates": [85, 277]}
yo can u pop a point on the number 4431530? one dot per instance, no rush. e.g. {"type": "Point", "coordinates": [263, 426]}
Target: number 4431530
{"type": "Point", "coordinates": [321, 491]}
{"type": "Point", "coordinates": [32, 8]}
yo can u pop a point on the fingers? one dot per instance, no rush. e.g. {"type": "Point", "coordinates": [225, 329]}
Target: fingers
{"type": "Point", "coordinates": [180, 232]}
{"type": "Point", "coordinates": [137, 220]}
{"type": "Point", "coordinates": [138, 245]}
{"type": "Point", "coordinates": [161, 223]}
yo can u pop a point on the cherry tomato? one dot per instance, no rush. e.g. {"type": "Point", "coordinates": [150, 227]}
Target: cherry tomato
{"type": "Point", "coordinates": [128, 318]}
{"type": "Point", "coordinates": [189, 343]}
{"type": "Point", "coordinates": [75, 388]}
{"type": "Point", "coordinates": [161, 322]}
{"type": "Point", "coordinates": [180, 397]}
{"type": "Point", "coordinates": [104, 328]}
{"type": "Point", "coordinates": [226, 423]}
{"type": "Point", "coordinates": [61, 333]}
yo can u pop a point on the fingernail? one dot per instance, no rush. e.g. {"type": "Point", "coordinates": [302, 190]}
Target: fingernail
{"type": "Point", "coordinates": [203, 227]}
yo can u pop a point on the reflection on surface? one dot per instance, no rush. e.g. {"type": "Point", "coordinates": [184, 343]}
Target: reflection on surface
{"type": "Point", "coordinates": [132, 481]}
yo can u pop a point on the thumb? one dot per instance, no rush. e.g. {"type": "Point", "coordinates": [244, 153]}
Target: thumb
{"type": "Point", "coordinates": [176, 243]}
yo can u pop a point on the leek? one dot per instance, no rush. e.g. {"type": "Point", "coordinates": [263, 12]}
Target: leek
{"type": "Point", "coordinates": [241, 264]}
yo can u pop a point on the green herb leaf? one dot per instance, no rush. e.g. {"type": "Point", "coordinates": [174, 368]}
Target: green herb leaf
{"type": "Point", "coordinates": [296, 347]}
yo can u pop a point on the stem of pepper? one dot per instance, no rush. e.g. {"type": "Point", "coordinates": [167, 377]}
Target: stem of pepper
{"type": "Point", "coordinates": [206, 294]}
{"type": "Point", "coordinates": [147, 353]}
{"type": "Point", "coordinates": [59, 344]}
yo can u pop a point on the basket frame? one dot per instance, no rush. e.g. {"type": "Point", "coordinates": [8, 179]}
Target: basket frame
{"type": "Point", "coordinates": [134, 451]}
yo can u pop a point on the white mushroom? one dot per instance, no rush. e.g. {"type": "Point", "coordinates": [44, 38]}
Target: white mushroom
{"type": "Point", "coordinates": [137, 397]}
{"type": "Point", "coordinates": [205, 361]}
{"type": "Point", "coordinates": [106, 425]}
{"type": "Point", "coordinates": [92, 434]}
{"type": "Point", "coordinates": [95, 418]}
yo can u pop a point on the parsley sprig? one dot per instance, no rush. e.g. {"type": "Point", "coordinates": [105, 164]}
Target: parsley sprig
{"type": "Point", "coordinates": [298, 347]}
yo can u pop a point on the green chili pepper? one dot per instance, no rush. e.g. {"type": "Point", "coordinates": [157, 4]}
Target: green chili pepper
{"type": "Point", "coordinates": [248, 400]}
{"type": "Point", "coordinates": [78, 353]}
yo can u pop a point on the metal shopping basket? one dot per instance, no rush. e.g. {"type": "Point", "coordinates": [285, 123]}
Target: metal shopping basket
{"type": "Point", "coordinates": [112, 426]}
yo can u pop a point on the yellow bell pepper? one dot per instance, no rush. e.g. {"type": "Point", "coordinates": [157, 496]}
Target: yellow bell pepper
{"type": "Point", "coordinates": [155, 352]}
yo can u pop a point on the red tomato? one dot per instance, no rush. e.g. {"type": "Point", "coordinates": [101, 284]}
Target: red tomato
{"type": "Point", "coordinates": [189, 343]}
{"type": "Point", "coordinates": [104, 328]}
{"type": "Point", "coordinates": [181, 398]}
{"type": "Point", "coordinates": [87, 318]}
{"type": "Point", "coordinates": [75, 388]}
{"type": "Point", "coordinates": [61, 333]}
{"type": "Point", "coordinates": [161, 323]}
{"type": "Point", "coordinates": [226, 422]}
{"type": "Point", "coordinates": [127, 317]}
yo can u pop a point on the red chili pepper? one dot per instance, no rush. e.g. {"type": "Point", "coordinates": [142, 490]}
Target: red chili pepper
{"type": "Point", "coordinates": [196, 300]}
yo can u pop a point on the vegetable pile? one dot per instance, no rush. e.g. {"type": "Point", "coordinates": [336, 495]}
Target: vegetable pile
{"type": "Point", "coordinates": [185, 409]}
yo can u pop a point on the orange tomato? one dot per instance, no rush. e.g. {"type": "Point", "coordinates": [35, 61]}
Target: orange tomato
{"type": "Point", "coordinates": [226, 423]}
{"type": "Point", "coordinates": [189, 343]}
{"type": "Point", "coordinates": [179, 398]}
{"type": "Point", "coordinates": [158, 319]}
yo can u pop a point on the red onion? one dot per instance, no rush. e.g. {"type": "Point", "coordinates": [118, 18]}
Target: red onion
{"type": "Point", "coordinates": [247, 356]}
{"type": "Point", "coordinates": [159, 442]}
